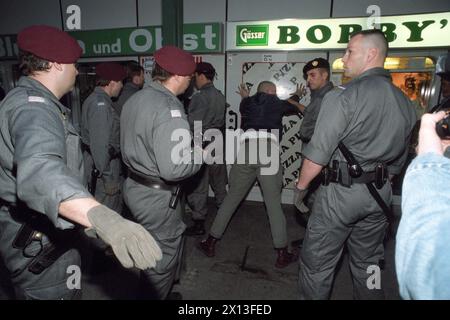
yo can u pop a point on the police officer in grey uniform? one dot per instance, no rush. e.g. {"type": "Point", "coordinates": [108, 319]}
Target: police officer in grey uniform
{"type": "Point", "coordinates": [207, 107]}
{"type": "Point", "coordinates": [151, 122]}
{"type": "Point", "coordinates": [133, 83]}
{"type": "Point", "coordinates": [260, 113]}
{"type": "Point", "coordinates": [100, 134]}
{"type": "Point", "coordinates": [373, 119]}
{"type": "Point", "coordinates": [317, 74]}
{"type": "Point", "coordinates": [42, 195]}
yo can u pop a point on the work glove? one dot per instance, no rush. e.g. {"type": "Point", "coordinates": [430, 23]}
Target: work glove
{"type": "Point", "coordinates": [299, 195]}
{"type": "Point", "coordinates": [131, 243]}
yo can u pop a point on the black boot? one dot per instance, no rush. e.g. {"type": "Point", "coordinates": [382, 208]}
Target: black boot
{"type": "Point", "coordinates": [197, 229]}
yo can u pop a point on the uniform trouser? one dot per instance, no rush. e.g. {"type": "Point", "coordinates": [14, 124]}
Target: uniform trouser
{"type": "Point", "coordinates": [54, 283]}
{"type": "Point", "coordinates": [156, 283]}
{"type": "Point", "coordinates": [108, 190]}
{"type": "Point", "coordinates": [211, 174]}
{"type": "Point", "coordinates": [109, 193]}
{"type": "Point", "coordinates": [343, 215]}
{"type": "Point", "coordinates": [241, 179]}
{"type": "Point", "coordinates": [150, 208]}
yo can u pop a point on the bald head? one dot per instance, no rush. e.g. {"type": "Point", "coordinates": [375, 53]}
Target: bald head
{"type": "Point", "coordinates": [267, 87]}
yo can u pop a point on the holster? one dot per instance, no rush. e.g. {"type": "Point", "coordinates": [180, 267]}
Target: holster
{"type": "Point", "coordinates": [48, 254]}
{"type": "Point", "coordinates": [175, 197]}
{"type": "Point", "coordinates": [381, 175]}
{"type": "Point", "coordinates": [330, 174]}
{"type": "Point", "coordinates": [94, 176]}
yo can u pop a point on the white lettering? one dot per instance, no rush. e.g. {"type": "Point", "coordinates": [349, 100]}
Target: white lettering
{"type": "Point", "coordinates": [208, 36]}
{"type": "Point", "coordinates": [73, 22]}
{"type": "Point", "coordinates": [374, 281]}
{"type": "Point", "coordinates": [190, 42]}
{"type": "Point", "coordinates": [148, 40]}
{"type": "Point", "coordinates": [74, 280]}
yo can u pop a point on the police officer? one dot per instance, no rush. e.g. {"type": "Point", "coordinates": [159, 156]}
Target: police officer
{"type": "Point", "coordinates": [207, 107]}
{"type": "Point", "coordinates": [374, 120]}
{"type": "Point", "coordinates": [151, 121]}
{"type": "Point", "coordinates": [133, 83]}
{"type": "Point", "coordinates": [317, 75]}
{"type": "Point", "coordinates": [259, 113]}
{"type": "Point", "coordinates": [100, 134]}
{"type": "Point", "coordinates": [42, 195]}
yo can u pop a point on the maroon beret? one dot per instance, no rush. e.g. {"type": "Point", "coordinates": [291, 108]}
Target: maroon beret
{"type": "Point", "coordinates": [49, 43]}
{"type": "Point", "coordinates": [175, 60]}
{"type": "Point", "coordinates": [111, 71]}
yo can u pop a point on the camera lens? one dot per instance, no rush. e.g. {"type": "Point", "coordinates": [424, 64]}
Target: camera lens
{"type": "Point", "coordinates": [443, 128]}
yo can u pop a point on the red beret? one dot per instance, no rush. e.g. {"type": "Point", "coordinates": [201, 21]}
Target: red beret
{"type": "Point", "coordinates": [110, 71]}
{"type": "Point", "coordinates": [49, 43]}
{"type": "Point", "coordinates": [175, 60]}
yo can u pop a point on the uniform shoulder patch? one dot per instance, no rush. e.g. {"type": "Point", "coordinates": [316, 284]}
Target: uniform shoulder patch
{"type": "Point", "coordinates": [36, 99]}
{"type": "Point", "coordinates": [175, 113]}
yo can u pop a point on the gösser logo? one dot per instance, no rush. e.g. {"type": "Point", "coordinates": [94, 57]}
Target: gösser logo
{"type": "Point", "coordinates": [252, 35]}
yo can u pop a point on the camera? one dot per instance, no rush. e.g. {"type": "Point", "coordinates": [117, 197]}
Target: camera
{"type": "Point", "coordinates": [443, 127]}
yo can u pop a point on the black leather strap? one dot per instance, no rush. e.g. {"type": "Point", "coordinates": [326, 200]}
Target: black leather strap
{"type": "Point", "coordinates": [151, 182]}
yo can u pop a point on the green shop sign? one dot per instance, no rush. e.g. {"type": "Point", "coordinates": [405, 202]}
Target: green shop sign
{"type": "Point", "coordinates": [197, 38]}
{"type": "Point", "coordinates": [407, 31]}
{"type": "Point", "coordinates": [252, 35]}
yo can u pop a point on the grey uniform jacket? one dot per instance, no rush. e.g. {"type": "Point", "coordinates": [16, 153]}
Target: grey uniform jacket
{"type": "Point", "coordinates": [373, 119]}
{"type": "Point", "coordinates": [312, 112]}
{"type": "Point", "coordinates": [40, 154]}
{"type": "Point", "coordinates": [152, 122]}
{"type": "Point", "coordinates": [128, 90]}
{"type": "Point", "coordinates": [148, 120]}
{"type": "Point", "coordinates": [100, 130]}
{"type": "Point", "coordinates": [207, 105]}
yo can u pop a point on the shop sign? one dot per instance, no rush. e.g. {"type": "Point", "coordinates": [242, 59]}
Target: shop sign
{"type": "Point", "coordinates": [205, 38]}
{"type": "Point", "coordinates": [406, 31]}
{"type": "Point", "coordinates": [197, 38]}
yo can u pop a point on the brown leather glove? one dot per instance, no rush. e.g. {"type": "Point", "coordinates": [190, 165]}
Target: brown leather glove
{"type": "Point", "coordinates": [132, 244]}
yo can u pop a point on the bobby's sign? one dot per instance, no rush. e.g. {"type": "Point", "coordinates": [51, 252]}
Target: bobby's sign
{"type": "Point", "coordinates": [408, 31]}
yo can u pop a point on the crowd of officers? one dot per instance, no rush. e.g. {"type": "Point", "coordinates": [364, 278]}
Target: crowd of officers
{"type": "Point", "coordinates": [54, 180]}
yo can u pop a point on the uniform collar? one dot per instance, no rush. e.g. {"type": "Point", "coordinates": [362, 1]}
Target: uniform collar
{"type": "Point", "coordinates": [206, 86]}
{"type": "Point", "coordinates": [100, 91]}
{"type": "Point", "coordinates": [33, 84]}
{"type": "Point", "coordinates": [374, 72]}
{"type": "Point", "coordinates": [132, 85]}
{"type": "Point", "coordinates": [159, 87]}
{"type": "Point", "coordinates": [320, 92]}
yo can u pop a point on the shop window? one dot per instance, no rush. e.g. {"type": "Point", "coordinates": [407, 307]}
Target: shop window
{"type": "Point", "coordinates": [413, 75]}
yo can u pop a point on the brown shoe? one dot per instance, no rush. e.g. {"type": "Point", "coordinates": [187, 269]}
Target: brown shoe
{"type": "Point", "coordinates": [207, 246]}
{"type": "Point", "coordinates": [285, 257]}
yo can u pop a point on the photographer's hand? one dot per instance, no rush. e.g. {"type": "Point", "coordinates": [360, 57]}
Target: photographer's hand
{"type": "Point", "coordinates": [429, 141]}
